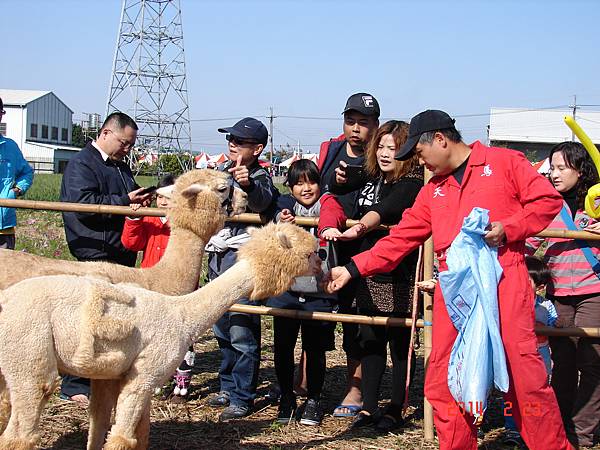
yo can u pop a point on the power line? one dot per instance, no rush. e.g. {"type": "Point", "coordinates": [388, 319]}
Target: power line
{"type": "Point", "coordinates": [486, 114]}
{"type": "Point", "coordinates": [224, 118]}
{"type": "Point", "coordinates": [286, 135]}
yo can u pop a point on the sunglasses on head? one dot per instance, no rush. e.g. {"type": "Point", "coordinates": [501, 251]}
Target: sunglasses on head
{"type": "Point", "coordinates": [239, 141]}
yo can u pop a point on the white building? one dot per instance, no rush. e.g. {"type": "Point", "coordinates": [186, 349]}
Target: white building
{"type": "Point", "coordinates": [535, 132]}
{"type": "Point", "coordinates": [42, 125]}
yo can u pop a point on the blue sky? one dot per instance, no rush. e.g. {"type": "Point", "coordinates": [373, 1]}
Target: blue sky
{"type": "Point", "coordinates": [304, 58]}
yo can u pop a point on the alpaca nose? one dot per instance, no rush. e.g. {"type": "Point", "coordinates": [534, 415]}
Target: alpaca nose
{"type": "Point", "coordinates": [315, 264]}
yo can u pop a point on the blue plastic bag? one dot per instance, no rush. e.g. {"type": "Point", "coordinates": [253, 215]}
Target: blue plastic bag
{"type": "Point", "coordinates": [470, 288]}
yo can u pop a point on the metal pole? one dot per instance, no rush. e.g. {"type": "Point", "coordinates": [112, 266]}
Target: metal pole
{"type": "Point", "coordinates": [574, 114]}
{"type": "Point", "coordinates": [271, 134]}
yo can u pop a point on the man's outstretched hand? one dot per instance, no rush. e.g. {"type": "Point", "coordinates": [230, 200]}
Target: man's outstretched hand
{"type": "Point", "coordinates": [338, 278]}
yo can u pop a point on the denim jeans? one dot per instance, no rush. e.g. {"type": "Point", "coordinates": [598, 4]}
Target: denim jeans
{"type": "Point", "coordinates": [238, 336]}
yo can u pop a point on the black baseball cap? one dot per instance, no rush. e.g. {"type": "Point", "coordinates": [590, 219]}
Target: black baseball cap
{"type": "Point", "coordinates": [363, 103]}
{"type": "Point", "coordinates": [430, 120]}
{"type": "Point", "coordinates": [250, 129]}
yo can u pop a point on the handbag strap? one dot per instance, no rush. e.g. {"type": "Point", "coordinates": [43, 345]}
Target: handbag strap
{"type": "Point", "coordinates": [583, 245]}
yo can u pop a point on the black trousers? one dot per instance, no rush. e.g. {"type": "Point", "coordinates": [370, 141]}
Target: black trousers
{"type": "Point", "coordinates": [373, 342]}
{"type": "Point", "coordinates": [317, 338]}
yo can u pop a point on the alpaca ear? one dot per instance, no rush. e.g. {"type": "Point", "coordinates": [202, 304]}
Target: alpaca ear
{"type": "Point", "coordinates": [284, 240]}
{"type": "Point", "coordinates": [166, 191]}
{"type": "Point", "coordinates": [193, 189]}
{"type": "Point", "coordinates": [251, 230]}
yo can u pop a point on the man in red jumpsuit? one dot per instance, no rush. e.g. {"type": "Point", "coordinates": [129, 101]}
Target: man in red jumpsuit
{"type": "Point", "coordinates": [521, 203]}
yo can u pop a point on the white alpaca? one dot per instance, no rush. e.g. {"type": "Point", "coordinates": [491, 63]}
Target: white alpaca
{"type": "Point", "coordinates": [127, 339]}
{"type": "Point", "coordinates": [199, 199]}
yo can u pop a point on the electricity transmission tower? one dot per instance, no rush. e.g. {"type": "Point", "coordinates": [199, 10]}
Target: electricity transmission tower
{"type": "Point", "coordinates": [148, 79]}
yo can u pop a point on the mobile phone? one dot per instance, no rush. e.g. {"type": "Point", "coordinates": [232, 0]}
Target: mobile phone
{"type": "Point", "coordinates": [148, 190]}
{"type": "Point", "coordinates": [353, 170]}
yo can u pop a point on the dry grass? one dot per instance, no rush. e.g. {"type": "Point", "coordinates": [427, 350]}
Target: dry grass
{"type": "Point", "coordinates": [195, 425]}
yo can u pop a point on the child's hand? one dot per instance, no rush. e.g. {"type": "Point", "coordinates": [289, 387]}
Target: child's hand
{"type": "Point", "coordinates": [135, 206]}
{"type": "Point", "coordinates": [331, 234]}
{"type": "Point", "coordinates": [354, 232]}
{"type": "Point", "coordinates": [427, 285]}
{"type": "Point", "coordinates": [240, 173]}
{"type": "Point", "coordinates": [287, 216]}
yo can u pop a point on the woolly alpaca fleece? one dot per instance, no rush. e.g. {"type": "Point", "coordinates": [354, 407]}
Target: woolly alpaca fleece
{"type": "Point", "coordinates": [128, 340]}
{"type": "Point", "coordinates": [273, 276]}
{"type": "Point", "coordinates": [197, 214]}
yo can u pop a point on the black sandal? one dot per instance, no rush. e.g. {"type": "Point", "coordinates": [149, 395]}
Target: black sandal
{"type": "Point", "coordinates": [363, 419]}
{"type": "Point", "coordinates": [388, 423]}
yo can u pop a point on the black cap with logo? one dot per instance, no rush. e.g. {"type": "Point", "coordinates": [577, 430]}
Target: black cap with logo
{"type": "Point", "coordinates": [430, 120]}
{"type": "Point", "coordinates": [250, 129]}
{"type": "Point", "coordinates": [363, 103]}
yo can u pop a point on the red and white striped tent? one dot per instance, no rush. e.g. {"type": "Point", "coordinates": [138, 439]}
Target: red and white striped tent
{"type": "Point", "coordinates": [542, 166]}
{"type": "Point", "coordinates": [148, 158]}
{"type": "Point", "coordinates": [201, 160]}
{"type": "Point", "coordinates": [218, 159]}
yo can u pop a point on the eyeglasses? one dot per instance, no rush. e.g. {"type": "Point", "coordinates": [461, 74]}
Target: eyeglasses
{"type": "Point", "coordinates": [238, 142]}
{"type": "Point", "coordinates": [125, 144]}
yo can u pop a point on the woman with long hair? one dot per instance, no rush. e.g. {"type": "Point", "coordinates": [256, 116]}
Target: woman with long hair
{"type": "Point", "coordinates": [575, 292]}
{"type": "Point", "coordinates": [391, 188]}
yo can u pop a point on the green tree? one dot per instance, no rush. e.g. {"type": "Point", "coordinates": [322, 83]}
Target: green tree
{"type": "Point", "coordinates": [77, 140]}
{"type": "Point", "coordinates": [172, 163]}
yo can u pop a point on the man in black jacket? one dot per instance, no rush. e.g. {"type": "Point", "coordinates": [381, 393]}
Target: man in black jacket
{"type": "Point", "coordinates": [361, 120]}
{"type": "Point", "coordinates": [98, 175]}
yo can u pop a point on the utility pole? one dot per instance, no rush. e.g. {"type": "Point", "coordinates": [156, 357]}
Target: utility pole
{"type": "Point", "coordinates": [574, 114]}
{"type": "Point", "coordinates": [271, 134]}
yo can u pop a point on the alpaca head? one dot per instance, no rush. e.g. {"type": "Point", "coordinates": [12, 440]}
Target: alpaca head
{"type": "Point", "coordinates": [278, 253]}
{"type": "Point", "coordinates": [202, 199]}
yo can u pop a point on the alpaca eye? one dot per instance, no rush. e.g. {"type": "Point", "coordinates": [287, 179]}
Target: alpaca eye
{"type": "Point", "coordinates": [222, 188]}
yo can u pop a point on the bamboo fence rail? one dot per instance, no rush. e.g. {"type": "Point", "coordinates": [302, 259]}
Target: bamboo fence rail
{"type": "Point", "coordinates": [244, 218]}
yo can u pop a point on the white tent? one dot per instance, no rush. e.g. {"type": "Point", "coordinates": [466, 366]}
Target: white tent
{"type": "Point", "coordinates": [148, 158]}
{"type": "Point", "coordinates": [218, 159]}
{"type": "Point", "coordinates": [288, 162]}
{"type": "Point", "coordinates": [310, 156]}
{"type": "Point", "coordinates": [542, 166]}
{"type": "Point", "coordinates": [314, 157]}
{"type": "Point", "coordinates": [202, 160]}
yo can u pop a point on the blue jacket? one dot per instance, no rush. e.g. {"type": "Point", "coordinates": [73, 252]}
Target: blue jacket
{"type": "Point", "coordinates": [470, 288]}
{"type": "Point", "coordinates": [90, 179]}
{"type": "Point", "coordinates": [15, 170]}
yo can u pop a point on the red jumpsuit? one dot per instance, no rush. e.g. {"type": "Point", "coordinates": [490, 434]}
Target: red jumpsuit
{"type": "Point", "coordinates": [503, 182]}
